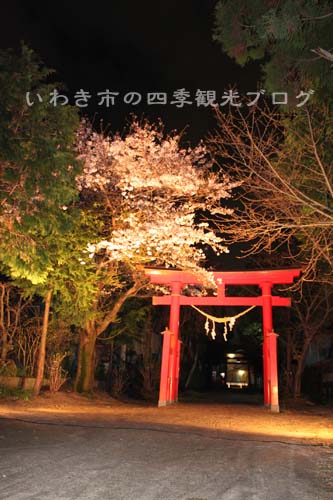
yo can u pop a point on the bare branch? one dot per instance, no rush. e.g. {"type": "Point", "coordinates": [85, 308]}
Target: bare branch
{"type": "Point", "coordinates": [286, 196]}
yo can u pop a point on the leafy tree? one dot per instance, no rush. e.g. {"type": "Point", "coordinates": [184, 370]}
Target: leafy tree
{"type": "Point", "coordinates": [37, 165]}
{"type": "Point", "coordinates": [13, 310]}
{"type": "Point", "coordinates": [293, 40]}
{"type": "Point", "coordinates": [71, 283]}
{"type": "Point", "coordinates": [41, 234]}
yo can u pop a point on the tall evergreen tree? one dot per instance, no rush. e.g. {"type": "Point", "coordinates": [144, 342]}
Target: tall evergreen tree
{"type": "Point", "coordinates": [42, 233]}
{"type": "Point", "coordinates": [37, 165]}
{"type": "Point", "coordinates": [293, 40]}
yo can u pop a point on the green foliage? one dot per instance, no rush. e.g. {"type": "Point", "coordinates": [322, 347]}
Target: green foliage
{"type": "Point", "coordinates": [7, 393]}
{"type": "Point", "coordinates": [43, 233]}
{"type": "Point", "coordinates": [72, 279]}
{"type": "Point", "coordinates": [253, 330]}
{"type": "Point", "coordinates": [37, 164]}
{"type": "Point", "coordinates": [281, 34]}
{"type": "Point", "coordinates": [8, 368]}
{"type": "Point", "coordinates": [133, 321]}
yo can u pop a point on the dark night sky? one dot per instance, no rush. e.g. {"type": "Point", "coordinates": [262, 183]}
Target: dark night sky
{"type": "Point", "coordinates": [129, 46]}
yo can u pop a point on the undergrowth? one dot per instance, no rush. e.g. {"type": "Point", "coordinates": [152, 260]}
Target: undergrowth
{"type": "Point", "coordinates": [6, 392]}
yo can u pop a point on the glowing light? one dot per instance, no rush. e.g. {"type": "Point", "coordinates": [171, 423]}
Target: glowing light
{"type": "Point", "coordinates": [231, 355]}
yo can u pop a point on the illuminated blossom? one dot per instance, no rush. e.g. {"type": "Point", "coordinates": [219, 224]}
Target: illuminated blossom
{"type": "Point", "coordinates": [156, 193]}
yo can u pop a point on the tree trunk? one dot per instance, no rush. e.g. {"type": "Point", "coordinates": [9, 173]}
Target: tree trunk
{"type": "Point", "coordinates": [148, 365]}
{"type": "Point", "coordinates": [299, 370]}
{"type": "Point", "coordinates": [108, 381]}
{"type": "Point", "coordinates": [289, 378]}
{"type": "Point", "coordinates": [4, 334]}
{"type": "Point", "coordinates": [86, 363]}
{"type": "Point", "coordinates": [84, 381]}
{"type": "Point", "coordinates": [192, 370]}
{"type": "Point", "coordinates": [4, 345]}
{"type": "Point", "coordinates": [42, 345]}
{"type": "Point", "coordinates": [298, 380]}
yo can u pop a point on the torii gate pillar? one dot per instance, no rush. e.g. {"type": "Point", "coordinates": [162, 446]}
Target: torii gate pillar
{"type": "Point", "coordinates": [270, 371]}
{"type": "Point", "coordinates": [171, 351]}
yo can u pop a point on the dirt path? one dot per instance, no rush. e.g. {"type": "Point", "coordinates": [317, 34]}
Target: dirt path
{"type": "Point", "coordinates": [313, 424]}
{"type": "Point", "coordinates": [67, 447]}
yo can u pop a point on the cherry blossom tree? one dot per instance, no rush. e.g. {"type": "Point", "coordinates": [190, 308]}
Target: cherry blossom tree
{"type": "Point", "coordinates": [149, 195]}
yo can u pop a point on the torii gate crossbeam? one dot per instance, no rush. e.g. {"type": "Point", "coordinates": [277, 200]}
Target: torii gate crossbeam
{"type": "Point", "coordinates": [176, 280]}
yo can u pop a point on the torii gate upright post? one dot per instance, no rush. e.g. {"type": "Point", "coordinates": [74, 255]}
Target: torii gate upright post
{"type": "Point", "coordinates": [164, 380]}
{"type": "Point", "coordinates": [267, 323]}
{"type": "Point", "coordinates": [176, 289]}
{"type": "Point", "coordinates": [171, 351]}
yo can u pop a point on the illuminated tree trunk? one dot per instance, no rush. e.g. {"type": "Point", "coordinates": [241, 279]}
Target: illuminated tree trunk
{"type": "Point", "coordinates": [86, 360]}
{"type": "Point", "coordinates": [42, 345]}
{"type": "Point", "coordinates": [4, 345]}
{"type": "Point", "coordinates": [4, 333]}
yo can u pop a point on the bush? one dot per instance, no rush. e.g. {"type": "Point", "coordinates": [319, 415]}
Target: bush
{"type": "Point", "coordinates": [6, 392]}
{"type": "Point", "coordinates": [8, 368]}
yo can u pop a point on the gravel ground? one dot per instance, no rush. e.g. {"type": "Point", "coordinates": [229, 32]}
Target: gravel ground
{"type": "Point", "coordinates": [66, 447]}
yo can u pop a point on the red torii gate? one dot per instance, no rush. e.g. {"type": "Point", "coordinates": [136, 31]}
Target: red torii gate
{"type": "Point", "coordinates": [176, 280]}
